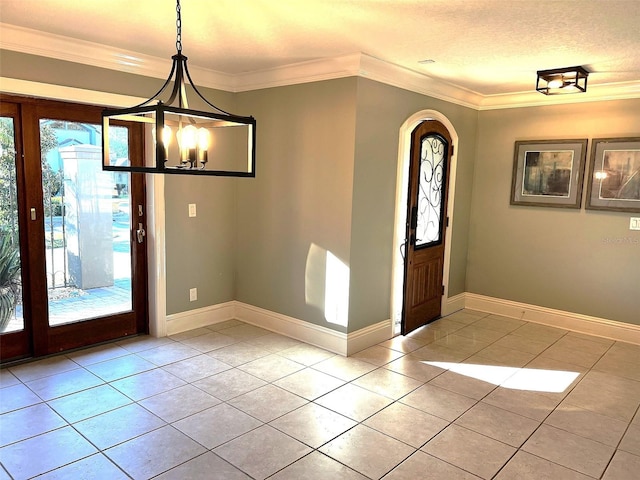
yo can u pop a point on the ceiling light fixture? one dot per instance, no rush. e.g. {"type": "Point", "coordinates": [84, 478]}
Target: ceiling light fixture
{"type": "Point", "coordinates": [562, 80]}
{"type": "Point", "coordinates": [179, 139]}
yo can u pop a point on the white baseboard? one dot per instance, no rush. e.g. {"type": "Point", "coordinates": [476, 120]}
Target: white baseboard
{"type": "Point", "coordinates": [337, 342]}
{"type": "Point", "coordinates": [201, 317]}
{"type": "Point", "coordinates": [620, 331]}
{"type": "Point", "coordinates": [453, 304]}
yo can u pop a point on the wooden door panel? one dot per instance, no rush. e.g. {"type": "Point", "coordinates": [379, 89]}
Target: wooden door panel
{"type": "Point", "coordinates": [431, 150]}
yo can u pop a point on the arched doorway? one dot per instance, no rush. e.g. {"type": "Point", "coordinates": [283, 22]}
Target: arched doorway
{"type": "Point", "coordinates": [400, 227]}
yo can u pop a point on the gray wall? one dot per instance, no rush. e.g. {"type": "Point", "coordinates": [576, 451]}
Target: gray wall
{"type": "Point", "coordinates": [552, 257]}
{"type": "Point", "coordinates": [382, 110]}
{"type": "Point", "coordinates": [298, 207]}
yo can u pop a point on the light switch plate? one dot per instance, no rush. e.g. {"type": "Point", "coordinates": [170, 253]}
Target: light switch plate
{"type": "Point", "coordinates": [634, 223]}
{"type": "Point", "coordinates": [192, 209]}
{"type": "Point", "coordinates": [193, 294]}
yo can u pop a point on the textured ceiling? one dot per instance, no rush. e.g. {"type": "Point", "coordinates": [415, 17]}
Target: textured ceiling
{"type": "Point", "coordinates": [486, 46]}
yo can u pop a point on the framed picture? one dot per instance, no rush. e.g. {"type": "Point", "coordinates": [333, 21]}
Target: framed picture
{"type": "Point", "coordinates": [614, 175]}
{"type": "Point", "coordinates": [548, 173]}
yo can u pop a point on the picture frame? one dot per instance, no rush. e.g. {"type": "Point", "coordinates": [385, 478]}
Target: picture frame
{"type": "Point", "coordinates": [614, 175]}
{"type": "Point", "coordinates": [548, 173]}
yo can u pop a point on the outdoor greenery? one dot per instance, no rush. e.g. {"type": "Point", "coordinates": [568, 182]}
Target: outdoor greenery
{"type": "Point", "coordinates": [9, 278]}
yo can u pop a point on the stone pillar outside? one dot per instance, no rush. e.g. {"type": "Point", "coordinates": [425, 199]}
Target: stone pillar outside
{"type": "Point", "coordinates": [88, 216]}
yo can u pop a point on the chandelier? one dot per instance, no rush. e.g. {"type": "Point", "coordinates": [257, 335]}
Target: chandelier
{"type": "Point", "coordinates": [178, 139]}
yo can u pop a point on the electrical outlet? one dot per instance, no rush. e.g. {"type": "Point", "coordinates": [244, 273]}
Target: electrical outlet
{"type": "Point", "coordinates": [192, 209]}
{"type": "Point", "coordinates": [634, 223]}
{"type": "Point", "coordinates": [193, 294]}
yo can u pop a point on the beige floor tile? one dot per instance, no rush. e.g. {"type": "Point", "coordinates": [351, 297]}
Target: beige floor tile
{"type": "Point", "coordinates": [313, 424]}
{"type": "Point", "coordinates": [415, 367]}
{"type": "Point", "coordinates": [229, 384]}
{"type": "Point", "coordinates": [118, 426]}
{"type": "Point", "coordinates": [238, 353]}
{"type": "Point", "coordinates": [44, 453]}
{"type": "Point", "coordinates": [536, 331]}
{"type": "Point", "coordinates": [407, 424]}
{"type": "Point", "coordinates": [65, 383]}
{"type": "Point", "coordinates": [466, 316]}
{"type": "Point", "coordinates": [378, 355]}
{"type": "Point", "coordinates": [196, 368]}
{"type": "Point", "coordinates": [587, 344]}
{"type": "Point", "coordinates": [96, 467]}
{"type": "Point", "coordinates": [439, 402]}
{"type": "Point", "coordinates": [506, 356]}
{"type": "Point", "coordinates": [434, 352]}
{"type": "Point", "coordinates": [267, 403]}
{"type": "Point", "coordinates": [631, 440]}
{"type": "Point", "coordinates": [179, 403]}
{"type": "Point", "coordinates": [28, 372]}
{"type": "Point", "coordinates": [317, 466]}
{"type": "Point", "coordinates": [88, 403]}
{"type": "Point", "coordinates": [16, 397]}
{"type": "Point", "coordinates": [217, 425]}
{"type": "Point", "coordinates": [587, 424]}
{"type": "Point", "coordinates": [226, 324]}
{"type": "Point", "coordinates": [403, 344]}
{"type": "Point", "coordinates": [480, 334]}
{"type": "Point", "coordinates": [624, 466]}
{"type": "Point", "coordinates": [523, 344]}
{"type": "Point", "coordinates": [470, 451]}
{"type": "Point", "coordinates": [143, 342]}
{"type": "Point", "coordinates": [306, 354]}
{"type": "Point", "coordinates": [178, 337]}
{"type": "Point", "coordinates": [262, 452]}
{"type": "Point", "coordinates": [360, 448]}
{"type": "Point", "coordinates": [120, 367]}
{"type": "Point", "coordinates": [202, 343]}
{"type": "Point", "coordinates": [271, 367]}
{"type": "Point", "coordinates": [97, 354]}
{"type": "Point", "coordinates": [28, 422]}
{"type": "Point", "coordinates": [147, 384]}
{"type": "Point", "coordinates": [140, 456]}
{"type": "Point", "coordinates": [354, 402]}
{"type": "Point", "coordinates": [167, 354]}
{"type": "Point", "coordinates": [572, 451]}
{"type": "Point", "coordinates": [462, 343]}
{"type": "Point", "coordinates": [204, 467]}
{"type": "Point", "coordinates": [388, 383]}
{"type": "Point", "coordinates": [524, 466]}
{"type": "Point", "coordinates": [499, 424]}
{"type": "Point", "coordinates": [499, 323]}
{"type": "Point", "coordinates": [309, 383]}
{"type": "Point", "coordinates": [463, 384]}
{"type": "Point", "coordinates": [274, 342]}
{"type": "Point", "coordinates": [534, 405]}
{"type": "Point", "coordinates": [344, 368]}
{"type": "Point", "coordinates": [244, 331]}
{"type": "Point", "coordinates": [542, 380]}
{"type": "Point", "coordinates": [7, 379]}
{"type": "Point", "coordinates": [418, 464]}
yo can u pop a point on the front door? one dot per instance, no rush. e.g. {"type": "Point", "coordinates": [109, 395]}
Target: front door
{"type": "Point", "coordinates": [431, 151]}
{"type": "Point", "coordinates": [71, 228]}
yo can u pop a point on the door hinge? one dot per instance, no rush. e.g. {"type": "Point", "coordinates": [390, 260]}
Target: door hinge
{"type": "Point", "coordinates": [447, 221]}
{"type": "Point", "coordinates": [452, 150]}
{"type": "Point", "coordinates": [442, 289]}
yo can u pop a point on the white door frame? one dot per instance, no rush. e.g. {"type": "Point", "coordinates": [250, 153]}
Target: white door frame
{"type": "Point", "coordinates": [399, 229]}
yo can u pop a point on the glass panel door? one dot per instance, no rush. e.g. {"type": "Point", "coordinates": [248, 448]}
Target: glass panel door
{"type": "Point", "coordinates": [11, 317]}
{"type": "Point", "coordinates": [87, 223]}
{"type": "Point", "coordinates": [433, 151]}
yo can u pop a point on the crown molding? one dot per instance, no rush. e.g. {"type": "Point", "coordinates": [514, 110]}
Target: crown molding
{"type": "Point", "coordinates": [59, 47]}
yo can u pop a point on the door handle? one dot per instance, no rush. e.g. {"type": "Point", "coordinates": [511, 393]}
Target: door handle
{"type": "Point", "coordinates": [140, 233]}
{"type": "Point", "coordinates": [414, 218]}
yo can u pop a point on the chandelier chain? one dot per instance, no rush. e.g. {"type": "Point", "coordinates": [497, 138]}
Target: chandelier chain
{"type": "Point", "coordinates": [179, 28]}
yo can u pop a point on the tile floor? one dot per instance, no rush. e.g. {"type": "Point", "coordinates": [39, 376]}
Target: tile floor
{"type": "Point", "coordinates": [469, 396]}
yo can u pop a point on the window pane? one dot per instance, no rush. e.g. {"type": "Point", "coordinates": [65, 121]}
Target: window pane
{"type": "Point", "coordinates": [430, 191]}
{"type": "Point", "coordinates": [11, 318]}
{"type": "Point", "coordinates": [87, 223]}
